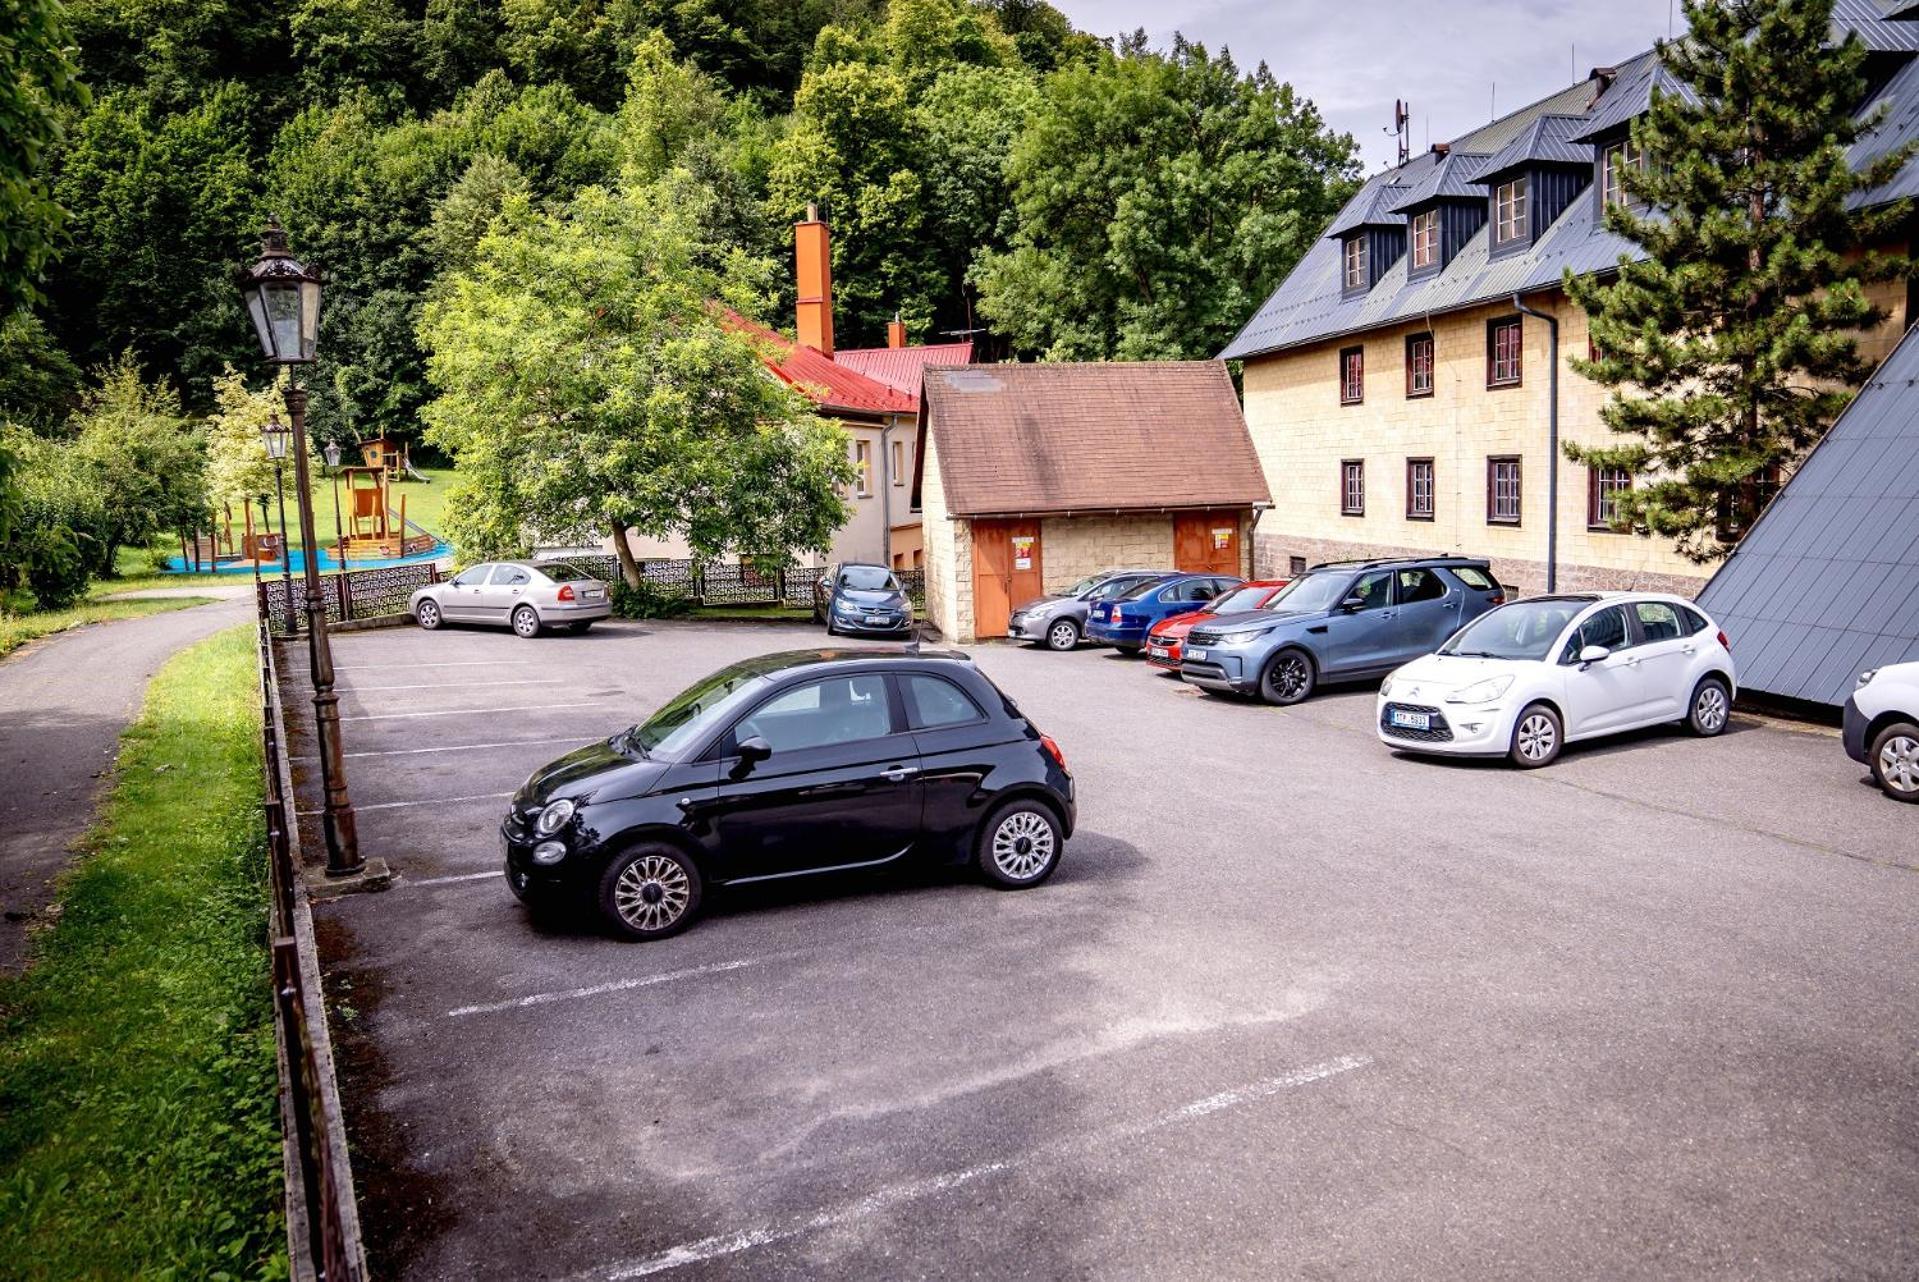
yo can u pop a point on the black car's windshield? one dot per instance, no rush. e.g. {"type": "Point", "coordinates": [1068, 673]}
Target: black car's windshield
{"type": "Point", "coordinates": [868, 578]}
{"type": "Point", "coordinates": [1239, 599]}
{"type": "Point", "coordinates": [564, 573]}
{"type": "Point", "coordinates": [1523, 630]}
{"type": "Point", "coordinates": [1310, 593]}
{"type": "Point", "coordinates": [675, 728]}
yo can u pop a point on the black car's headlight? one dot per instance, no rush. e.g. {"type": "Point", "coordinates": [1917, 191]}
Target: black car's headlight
{"type": "Point", "coordinates": [554, 817]}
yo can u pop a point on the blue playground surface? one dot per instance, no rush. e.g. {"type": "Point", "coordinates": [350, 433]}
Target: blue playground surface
{"type": "Point", "coordinates": [177, 565]}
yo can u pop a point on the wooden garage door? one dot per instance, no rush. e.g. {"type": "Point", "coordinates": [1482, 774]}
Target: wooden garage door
{"type": "Point", "coordinates": [1207, 542]}
{"type": "Point", "coordinates": [1006, 572]}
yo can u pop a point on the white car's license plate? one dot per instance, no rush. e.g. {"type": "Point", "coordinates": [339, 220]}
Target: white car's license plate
{"type": "Point", "coordinates": [1159, 652]}
{"type": "Point", "coordinates": [1412, 720]}
{"type": "Point", "coordinates": [1195, 654]}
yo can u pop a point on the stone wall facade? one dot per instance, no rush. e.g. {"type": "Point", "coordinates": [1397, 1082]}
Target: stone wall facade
{"type": "Point", "coordinates": [949, 556]}
{"type": "Point", "coordinates": [1304, 435]}
{"type": "Point", "coordinates": [1072, 547]}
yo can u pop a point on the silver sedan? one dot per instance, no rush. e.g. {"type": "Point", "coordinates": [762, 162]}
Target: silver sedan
{"type": "Point", "coordinates": [520, 595]}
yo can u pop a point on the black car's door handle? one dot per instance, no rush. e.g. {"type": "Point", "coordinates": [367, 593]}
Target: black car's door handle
{"type": "Point", "coordinates": [899, 774]}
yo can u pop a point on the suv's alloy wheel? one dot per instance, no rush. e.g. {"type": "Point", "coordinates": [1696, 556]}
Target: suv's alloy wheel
{"type": "Point", "coordinates": [1288, 679]}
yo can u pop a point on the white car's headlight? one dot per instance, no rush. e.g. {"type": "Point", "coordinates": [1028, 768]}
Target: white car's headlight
{"type": "Point", "coordinates": [1386, 688]}
{"type": "Point", "coordinates": [1865, 678]}
{"type": "Point", "coordinates": [1243, 638]}
{"type": "Point", "coordinates": [1481, 691]}
{"type": "Point", "coordinates": [554, 817]}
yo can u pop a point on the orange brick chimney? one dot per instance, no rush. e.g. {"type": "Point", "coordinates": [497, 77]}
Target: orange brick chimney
{"type": "Point", "coordinates": [896, 332]}
{"type": "Point", "coordinates": [813, 267]}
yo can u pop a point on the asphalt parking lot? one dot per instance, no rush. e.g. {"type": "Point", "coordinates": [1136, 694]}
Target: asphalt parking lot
{"type": "Point", "coordinates": [1293, 1006]}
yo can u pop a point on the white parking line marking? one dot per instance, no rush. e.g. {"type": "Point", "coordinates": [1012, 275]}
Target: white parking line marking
{"type": "Point", "coordinates": [432, 801]}
{"type": "Point", "coordinates": [724, 1244]}
{"type": "Point", "coordinates": [448, 881]}
{"type": "Point", "coordinates": [471, 712]}
{"type": "Point", "coordinates": [617, 986]}
{"type": "Point", "coordinates": [437, 663]}
{"type": "Point", "coordinates": [455, 685]}
{"type": "Point", "coordinates": [450, 747]}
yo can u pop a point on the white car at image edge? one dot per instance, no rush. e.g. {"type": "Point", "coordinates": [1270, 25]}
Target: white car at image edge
{"type": "Point", "coordinates": [1882, 728]}
{"type": "Point", "coordinates": [1524, 680]}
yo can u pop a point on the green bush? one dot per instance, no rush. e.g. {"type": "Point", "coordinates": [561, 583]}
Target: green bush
{"type": "Point", "coordinates": [648, 601]}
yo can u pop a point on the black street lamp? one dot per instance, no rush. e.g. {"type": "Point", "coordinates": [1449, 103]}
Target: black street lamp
{"type": "Point", "coordinates": [277, 436]}
{"type": "Point", "coordinates": [283, 298]}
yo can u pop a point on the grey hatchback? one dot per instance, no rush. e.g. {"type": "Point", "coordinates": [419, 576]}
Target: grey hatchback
{"type": "Point", "coordinates": [1346, 620]}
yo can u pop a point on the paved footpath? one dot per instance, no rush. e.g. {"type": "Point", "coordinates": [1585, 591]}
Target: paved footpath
{"type": "Point", "coordinates": [63, 703]}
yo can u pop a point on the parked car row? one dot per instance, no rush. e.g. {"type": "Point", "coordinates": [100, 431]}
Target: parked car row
{"type": "Point", "coordinates": [1462, 671]}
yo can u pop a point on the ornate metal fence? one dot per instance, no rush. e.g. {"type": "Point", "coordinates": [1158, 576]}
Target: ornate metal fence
{"type": "Point", "coordinates": [323, 1221]}
{"type": "Point", "coordinates": [356, 594]}
{"type": "Point", "coordinates": [725, 583]}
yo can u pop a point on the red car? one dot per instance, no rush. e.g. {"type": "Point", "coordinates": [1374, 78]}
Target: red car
{"type": "Point", "coordinates": [1164, 642]}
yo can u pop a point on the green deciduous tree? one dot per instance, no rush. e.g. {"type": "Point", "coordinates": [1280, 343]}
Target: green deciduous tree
{"type": "Point", "coordinates": [38, 79]}
{"type": "Point", "coordinates": [237, 467]}
{"type": "Point", "coordinates": [587, 386]}
{"type": "Point", "coordinates": [39, 384]}
{"type": "Point", "coordinates": [1159, 198]}
{"type": "Point", "coordinates": [142, 457]}
{"type": "Point", "coordinates": [1730, 344]}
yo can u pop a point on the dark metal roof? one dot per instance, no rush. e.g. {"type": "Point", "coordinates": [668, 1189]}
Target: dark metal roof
{"type": "Point", "coordinates": [1446, 176]}
{"type": "Point", "coordinates": [1310, 306]}
{"type": "Point", "coordinates": [1376, 210]}
{"type": "Point", "coordinates": [1826, 583]}
{"type": "Point", "coordinates": [1547, 141]}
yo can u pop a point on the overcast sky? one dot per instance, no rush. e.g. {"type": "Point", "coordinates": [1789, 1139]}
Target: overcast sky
{"type": "Point", "coordinates": [1443, 56]}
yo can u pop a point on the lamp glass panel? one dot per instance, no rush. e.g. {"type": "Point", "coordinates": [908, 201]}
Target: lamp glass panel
{"type": "Point", "coordinates": [309, 318]}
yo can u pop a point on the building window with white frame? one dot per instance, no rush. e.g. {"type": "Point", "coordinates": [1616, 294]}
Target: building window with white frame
{"type": "Point", "coordinates": [1352, 487]}
{"type": "Point", "coordinates": [1618, 156]}
{"type": "Point", "coordinates": [1419, 489]}
{"type": "Point", "coordinates": [1425, 238]}
{"type": "Point", "coordinates": [1356, 262]}
{"type": "Point", "coordinates": [899, 462]}
{"type": "Point", "coordinates": [863, 466]}
{"type": "Point", "coordinates": [1510, 220]}
{"type": "Point", "coordinates": [1604, 485]}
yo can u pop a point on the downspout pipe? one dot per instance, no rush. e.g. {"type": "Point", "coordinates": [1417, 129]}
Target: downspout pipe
{"type": "Point", "coordinates": [885, 470]}
{"type": "Point", "coordinates": [1552, 444]}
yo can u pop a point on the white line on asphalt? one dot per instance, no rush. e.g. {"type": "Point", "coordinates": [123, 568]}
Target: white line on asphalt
{"type": "Point", "coordinates": [454, 685]}
{"type": "Point", "coordinates": [437, 663]}
{"type": "Point", "coordinates": [448, 881]}
{"type": "Point", "coordinates": [724, 1244]}
{"type": "Point", "coordinates": [472, 712]}
{"type": "Point", "coordinates": [448, 747]}
{"type": "Point", "coordinates": [617, 986]}
{"type": "Point", "coordinates": [430, 801]}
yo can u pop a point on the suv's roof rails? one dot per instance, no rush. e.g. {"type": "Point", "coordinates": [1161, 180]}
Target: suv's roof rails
{"type": "Point", "coordinates": [1367, 562]}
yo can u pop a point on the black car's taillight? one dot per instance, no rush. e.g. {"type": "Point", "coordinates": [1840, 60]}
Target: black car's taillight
{"type": "Point", "coordinates": [1051, 749]}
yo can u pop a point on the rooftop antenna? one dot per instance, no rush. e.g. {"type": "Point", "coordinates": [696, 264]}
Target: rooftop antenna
{"type": "Point", "coordinates": [1403, 127]}
{"type": "Point", "coordinates": [1492, 103]}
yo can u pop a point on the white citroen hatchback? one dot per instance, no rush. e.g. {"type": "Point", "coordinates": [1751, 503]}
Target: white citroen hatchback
{"type": "Point", "coordinates": [1524, 680]}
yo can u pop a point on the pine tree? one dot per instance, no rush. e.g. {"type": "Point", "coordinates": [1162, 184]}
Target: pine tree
{"type": "Point", "coordinates": [1729, 345]}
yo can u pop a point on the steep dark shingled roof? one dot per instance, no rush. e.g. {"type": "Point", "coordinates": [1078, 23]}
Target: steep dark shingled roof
{"type": "Point", "coordinates": [1826, 583]}
{"type": "Point", "coordinates": [1097, 437]}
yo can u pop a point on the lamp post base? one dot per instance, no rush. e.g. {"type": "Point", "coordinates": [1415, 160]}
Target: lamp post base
{"type": "Point", "coordinates": [372, 875]}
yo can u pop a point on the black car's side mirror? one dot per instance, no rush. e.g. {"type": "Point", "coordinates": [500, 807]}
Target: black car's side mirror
{"type": "Point", "coordinates": [755, 749]}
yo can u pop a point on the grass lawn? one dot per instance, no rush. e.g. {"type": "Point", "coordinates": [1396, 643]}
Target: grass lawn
{"type": "Point", "coordinates": [18, 629]}
{"type": "Point", "coordinates": [137, 1081]}
{"type": "Point", "coordinates": [425, 503]}
{"type": "Point", "coordinates": [779, 613]}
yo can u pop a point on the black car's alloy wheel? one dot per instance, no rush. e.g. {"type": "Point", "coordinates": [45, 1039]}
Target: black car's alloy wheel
{"type": "Point", "coordinates": [1062, 634]}
{"type": "Point", "coordinates": [1019, 844]}
{"type": "Point", "coordinates": [427, 616]}
{"type": "Point", "coordinates": [1288, 678]}
{"type": "Point", "coordinates": [650, 892]}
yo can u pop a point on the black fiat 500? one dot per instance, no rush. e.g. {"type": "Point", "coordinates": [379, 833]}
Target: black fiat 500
{"type": "Point", "coordinates": [791, 765]}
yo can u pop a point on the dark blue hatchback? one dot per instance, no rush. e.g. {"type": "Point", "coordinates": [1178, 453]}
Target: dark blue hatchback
{"type": "Point", "coordinates": [1124, 622]}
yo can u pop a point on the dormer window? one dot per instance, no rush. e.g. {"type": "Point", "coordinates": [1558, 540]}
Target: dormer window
{"type": "Point", "coordinates": [1425, 237]}
{"type": "Point", "coordinates": [1510, 221]}
{"type": "Point", "coordinates": [1356, 263]}
{"type": "Point", "coordinates": [1617, 157]}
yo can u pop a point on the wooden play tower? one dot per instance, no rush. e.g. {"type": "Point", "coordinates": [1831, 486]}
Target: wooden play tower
{"type": "Point", "coordinates": [370, 528]}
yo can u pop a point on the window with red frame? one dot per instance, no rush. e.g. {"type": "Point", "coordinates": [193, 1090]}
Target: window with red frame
{"type": "Point", "coordinates": [1502, 490]}
{"type": "Point", "coordinates": [1419, 489]}
{"type": "Point", "coordinates": [1352, 487]}
{"type": "Point", "coordinates": [1604, 485]}
{"type": "Point", "coordinates": [1352, 375]}
{"type": "Point", "coordinates": [1419, 365]}
{"type": "Point", "coordinates": [1502, 352]}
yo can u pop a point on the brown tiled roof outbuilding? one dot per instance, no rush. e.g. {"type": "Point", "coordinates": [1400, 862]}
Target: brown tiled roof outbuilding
{"type": "Point", "coordinates": [1099, 437]}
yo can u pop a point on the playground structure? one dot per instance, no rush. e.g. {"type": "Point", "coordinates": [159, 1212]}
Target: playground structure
{"type": "Point", "coordinates": [389, 454]}
{"type": "Point", "coordinates": [371, 528]}
{"type": "Point", "coordinates": [368, 529]}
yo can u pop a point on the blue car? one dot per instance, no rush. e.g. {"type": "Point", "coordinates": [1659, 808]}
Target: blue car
{"type": "Point", "coordinates": [862, 600]}
{"type": "Point", "coordinates": [1124, 622]}
{"type": "Point", "coordinates": [1343, 621]}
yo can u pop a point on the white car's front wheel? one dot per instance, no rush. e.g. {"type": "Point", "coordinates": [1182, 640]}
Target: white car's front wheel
{"type": "Point", "coordinates": [1895, 761]}
{"type": "Point", "coordinates": [1537, 737]}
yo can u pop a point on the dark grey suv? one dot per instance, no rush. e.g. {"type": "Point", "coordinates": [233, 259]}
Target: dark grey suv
{"type": "Point", "coordinates": [1343, 621]}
